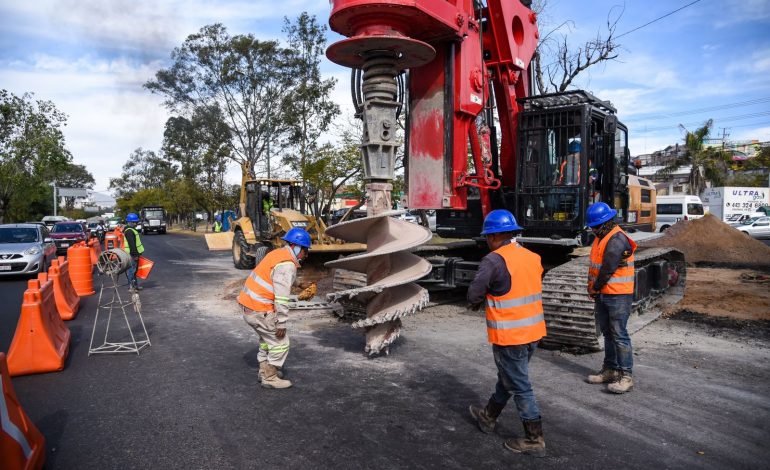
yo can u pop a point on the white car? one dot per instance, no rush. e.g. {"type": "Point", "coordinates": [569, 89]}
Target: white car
{"type": "Point", "coordinates": [758, 227]}
{"type": "Point", "coordinates": [414, 217]}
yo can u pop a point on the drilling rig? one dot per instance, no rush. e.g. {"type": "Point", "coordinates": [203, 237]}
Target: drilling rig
{"type": "Point", "coordinates": [459, 70]}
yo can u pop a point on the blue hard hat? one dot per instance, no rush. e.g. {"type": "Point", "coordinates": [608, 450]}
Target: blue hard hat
{"type": "Point", "coordinates": [132, 217]}
{"type": "Point", "coordinates": [500, 220]}
{"type": "Point", "coordinates": [599, 213]}
{"type": "Point", "coordinates": [297, 236]}
{"type": "Point", "coordinates": [219, 218]}
{"type": "Point", "coordinates": [574, 147]}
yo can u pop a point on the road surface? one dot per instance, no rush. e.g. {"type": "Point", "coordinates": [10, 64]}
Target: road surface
{"type": "Point", "coordinates": [192, 400]}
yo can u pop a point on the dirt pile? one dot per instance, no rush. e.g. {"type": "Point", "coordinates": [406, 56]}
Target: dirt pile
{"type": "Point", "coordinates": [731, 293]}
{"type": "Point", "coordinates": [709, 241]}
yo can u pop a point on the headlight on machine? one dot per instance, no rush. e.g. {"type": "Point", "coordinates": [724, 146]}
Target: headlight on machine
{"type": "Point", "coordinates": [34, 250]}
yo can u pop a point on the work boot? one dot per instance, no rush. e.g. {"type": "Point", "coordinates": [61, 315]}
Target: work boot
{"type": "Point", "coordinates": [623, 385]}
{"type": "Point", "coordinates": [270, 378]}
{"type": "Point", "coordinates": [486, 417]}
{"type": "Point", "coordinates": [532, 443]}
{"type": "Point", "coordinates": [606, 375]}
{"type": "Point", "coordinates": [262, 371]}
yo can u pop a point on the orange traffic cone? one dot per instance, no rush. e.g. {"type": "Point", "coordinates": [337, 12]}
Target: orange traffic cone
{"type": "Point", "coordinates": [81, 269]}
{"type": "Point", "coordinates": [41, 342]}
{"type": "Point", "coordinates": [96, 250]}
{"type": "Point", "coordinates": [67, 300]}
{"type": "Point", "coordinates": [21, 444]}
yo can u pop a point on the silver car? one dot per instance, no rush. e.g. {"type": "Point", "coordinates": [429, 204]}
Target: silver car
{"type": "Point", "coordinates": [757, 227]}
{"type": "Point", "coordinates": [25, 249]}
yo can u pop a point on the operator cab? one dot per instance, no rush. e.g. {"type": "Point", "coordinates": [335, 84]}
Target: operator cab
{"type": "Point", "coordinates": [264, 196]}
{"type": "Point", "coordinates": [572, 152]}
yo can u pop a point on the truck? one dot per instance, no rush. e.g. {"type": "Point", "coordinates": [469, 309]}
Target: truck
{"type": "Point", "coordinates": [731, 203]}
{"type": "Point", "coordinates": [459, 71]}
{"type": "Point", "coordinates": [153, 219]}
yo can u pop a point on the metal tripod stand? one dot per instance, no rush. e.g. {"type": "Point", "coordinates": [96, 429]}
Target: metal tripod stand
{"type": "Point", "coordinates": [113, 263]}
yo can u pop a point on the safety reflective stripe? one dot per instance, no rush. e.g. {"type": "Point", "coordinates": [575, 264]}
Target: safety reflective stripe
{"type": "Point", "coordinates": [264, 346]}
{"type": "Point", "coordinates": [596, 265]}
{"type": "Point", "coordinates": [254, 296]}
{"type": "Point", "coordinates": [518, 302]}
{"type": "Point", "coordinates": [619, 280]}
{"type": "Point", "coordinates": [279, 348]}
{"type": "Point", "coordinates": [254, 277]}
{"type": "Point", "coordinates": [507, 325]}
{"type": "Point", "coordinates": [10, 428]}
{"type": "Point", "coordinates": [282, 300]}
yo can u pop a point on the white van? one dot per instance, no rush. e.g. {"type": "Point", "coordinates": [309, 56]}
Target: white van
{"type": "Point", "coordinates": [672, 209]}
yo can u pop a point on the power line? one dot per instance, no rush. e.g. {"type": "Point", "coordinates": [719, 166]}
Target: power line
{"type": "Point", "coordinates": [703, 110]}
{"type": "Point", "coordinates": [720, 120]}
{"type": "Point", "coordinates": [657, 19]}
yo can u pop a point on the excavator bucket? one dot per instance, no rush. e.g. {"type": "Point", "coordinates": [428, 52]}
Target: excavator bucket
{"type": "Point", "coordinates": [219, 241]}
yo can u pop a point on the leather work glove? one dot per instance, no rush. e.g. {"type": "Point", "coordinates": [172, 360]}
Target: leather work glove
{"type": "Point", "coordinates": [308, 293]}
{"type": "Point", "coordinates": [280, 333]}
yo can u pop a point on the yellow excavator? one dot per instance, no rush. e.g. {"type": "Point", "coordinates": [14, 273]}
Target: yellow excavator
{"type": "Point", "coordinates": [268, 209]}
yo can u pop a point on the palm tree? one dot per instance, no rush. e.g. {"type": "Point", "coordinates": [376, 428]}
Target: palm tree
{"type": "Point", "coordinates": [707, 164]}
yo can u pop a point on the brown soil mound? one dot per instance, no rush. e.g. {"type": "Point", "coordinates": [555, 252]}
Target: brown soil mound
{"type": "Point", "coordinates": [743, 295]}
{"type": "Point", "coordinates": [710, 241]}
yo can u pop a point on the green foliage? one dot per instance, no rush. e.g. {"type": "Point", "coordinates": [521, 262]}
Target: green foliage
{"type": "Point", "coordinates": [32, 154]}
{"type": "Point", "coordinates": [251, 81]}
{"type": "Point", "coordinates": [311, 110]}
{"type": "Point", "coordinates": [707, 164]}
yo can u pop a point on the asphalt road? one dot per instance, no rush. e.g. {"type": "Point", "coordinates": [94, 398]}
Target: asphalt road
{"type": "Point", "coordinates": [192, 399]}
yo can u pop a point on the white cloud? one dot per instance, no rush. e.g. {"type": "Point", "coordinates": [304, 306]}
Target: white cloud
{"type": "Point", "coordinates": [742, 11]}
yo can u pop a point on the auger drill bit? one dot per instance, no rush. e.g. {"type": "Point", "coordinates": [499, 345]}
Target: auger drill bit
{"type": "Point", "coordinates": [390, 271]}
{"type": "Point", "coordinates": [382, 53]}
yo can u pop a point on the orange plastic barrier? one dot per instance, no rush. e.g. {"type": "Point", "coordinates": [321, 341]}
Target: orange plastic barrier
{"type": "Point", "coordinates": [144, 268]}
{"type": "Point", "coordinates": [67, 300]}
{"type": "Point", "coordinates": [96, 250]}
{"type": "Point", "coordinates": [21, 444]}
{"type": "Point", "coordinates": [42, 341]}
{"type": "Point", "coordinates": [81, 269]}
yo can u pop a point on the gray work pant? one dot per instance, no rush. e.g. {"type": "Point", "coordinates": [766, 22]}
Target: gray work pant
{"type": "Point", "coordinates": [271, 349]}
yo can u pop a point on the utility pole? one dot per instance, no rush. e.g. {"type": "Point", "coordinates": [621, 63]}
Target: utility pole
{"type": "Point", "coordinates": [55, 201]}
{"type": "Point", "coordinates": [268, 145]}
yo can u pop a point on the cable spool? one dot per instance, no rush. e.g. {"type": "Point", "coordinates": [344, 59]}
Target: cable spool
{"type": "Point", "coordinates": [113, 262]}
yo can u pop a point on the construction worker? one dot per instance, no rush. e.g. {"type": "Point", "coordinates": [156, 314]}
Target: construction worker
{"type": "Point", "coordinates": [265, 297]}
{"type": "Point", "coordinates": [218, 224]}
{"type": "Point", "coordinates": [611, 285]}
{"type": "Point", "coordinates": [509, 282]}
{"type": "Point", "coordinates": [132, 244]}
{"type": "Point", "coordinates": [569, 171]}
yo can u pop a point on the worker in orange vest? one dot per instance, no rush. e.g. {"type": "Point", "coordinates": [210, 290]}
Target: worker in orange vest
{"type": "Point", "coordinates": [611, 285]}
{"type": "Point", "coordinates": [509, 283]}
{"type": "Point", "coordinates": [265, 298]}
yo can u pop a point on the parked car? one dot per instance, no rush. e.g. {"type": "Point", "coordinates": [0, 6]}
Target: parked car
{"type": "Point", "coordinates": [112, 223]}
{"type": "Point", "coordinates": [672, 209]}
{"type": "Point", "coordinates": [66, 234]}
{"type": "Point", "coordinates": [337, 215]}
{"type": "Point", "coordinates": [414, 216]}
{"type": "Point", "coordinates": [25, 249]}
{"type": "Point", "coordinates": [50, 220]}
{"type": "Point", "coordinates": [758, 227]}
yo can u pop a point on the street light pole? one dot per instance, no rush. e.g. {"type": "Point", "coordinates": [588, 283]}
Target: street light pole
{"type": "Point", "coordinates": [55, 202]}
{"type": "Point", "coordinates": [268, 145]}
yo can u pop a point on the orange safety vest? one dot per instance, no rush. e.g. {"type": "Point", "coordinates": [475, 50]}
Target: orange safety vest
{"type": "Point", "coordinates": [622, 280]}
{"type": "Point", "coordinates": [516, 317]}
{"type": "Point", "coordinates": [257, 293]}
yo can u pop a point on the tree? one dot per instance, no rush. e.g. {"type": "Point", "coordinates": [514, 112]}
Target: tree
{"type": "Point", "coordinates": [311, 110]}
{"type": "Point", "coordinates": [557, 63]}
{"type": "Point", "coordinates": [73, 176]}
{"type": "Point", "coordinates": [143, 170]}
{"type": "Point", "coordinates": [333, 167]}
{"type": "Point", "coordinates": [31, 147]}
{"type": "Point", "coordinates": [251, 81]}
{"type": "Point", "coordinates": [706, 164]}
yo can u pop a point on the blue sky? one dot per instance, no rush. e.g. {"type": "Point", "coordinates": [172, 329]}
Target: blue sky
{"type": "Point", "coordinates": [91, 57]}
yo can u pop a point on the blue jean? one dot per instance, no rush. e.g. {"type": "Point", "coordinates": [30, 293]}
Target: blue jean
{"type": "Point", "coordinates": [513, 379]}
{"type": "Point", "coordinates": [612, 312]}
{"type": "Point", "coordinates": [131, 273]}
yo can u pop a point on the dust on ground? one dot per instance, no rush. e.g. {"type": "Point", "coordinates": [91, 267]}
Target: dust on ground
{"type": "Point", "coordinates": [711, 242]}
